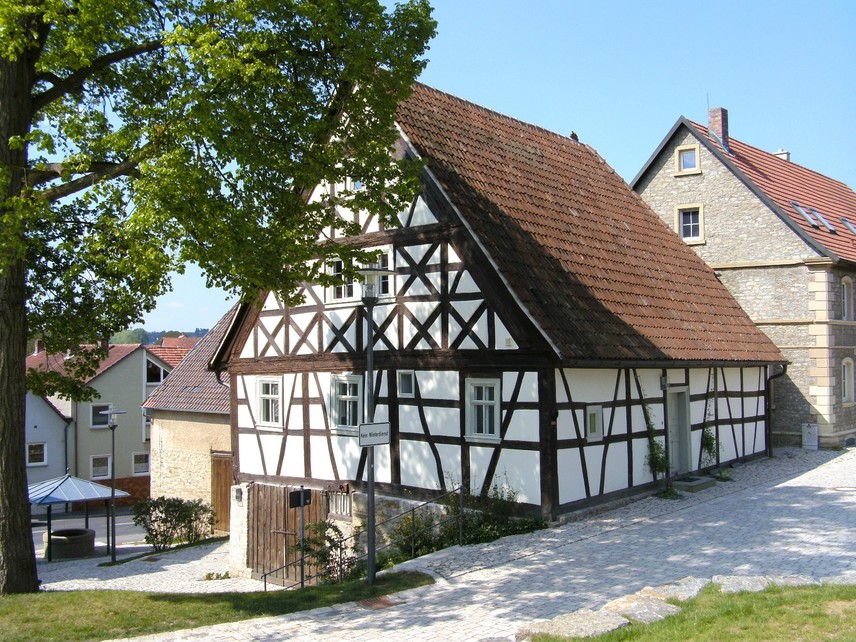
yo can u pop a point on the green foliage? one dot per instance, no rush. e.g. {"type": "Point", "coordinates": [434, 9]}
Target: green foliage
{"type": "Point", "coordinates": [708, 446]}
{"type": "Point", "coordinates": [485, 519]}
{"type": "Point", "coordinates": [139, 135]}
{"type": "Point", "coordinates": [158, 133]}
{"type": "Point", "coordinates": [137, 335]}
{"type": "Point", "coordinates": [657, 460]}
{"type": "Point", "coordinates": [324, 545]}
{"type": "Point", "coordinates": [169, 520]}
{"type": "Point", "coordinates": [415, 534]}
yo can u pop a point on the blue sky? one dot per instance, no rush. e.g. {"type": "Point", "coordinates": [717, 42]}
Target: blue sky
{"type": "Point", "coordinates": [619, 73]}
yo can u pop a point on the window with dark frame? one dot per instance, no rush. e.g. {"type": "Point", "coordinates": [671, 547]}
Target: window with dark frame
{"type": "Point", "coordinates": [99, 418]}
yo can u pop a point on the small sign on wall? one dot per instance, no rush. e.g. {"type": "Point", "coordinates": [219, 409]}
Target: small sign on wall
{"type": "Point", "coordinates": [298, 498]}
{"type": "Point", "coordinates": [374, 434]}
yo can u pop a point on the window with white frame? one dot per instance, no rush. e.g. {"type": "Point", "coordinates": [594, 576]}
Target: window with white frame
{"type": "Point", "coordinates": [483, 397]}
{"type": "Point", "coordinates": [406, 384]}
{"type": "Point", "coordinates": [847, 381]}
{"type": "Point", "coordinates": [385, 282]}
{"type": "Point", "coordinates": [99, 467]}
{"type": "Point", "coordinates": [140, 464]}
{"type": "Point", "coordinates": [37, 454]}
{"type": "Point", "coordinates": [594, 423]}
{"type": "Point", "coordinates": [99, 419]}
{"type": "Point", "coordinates": [270, 402]}
{"type": "Point", "coordinates": [346, 401]}
{"type": "Point", "coordinates": [154, 373]}
{"type": "Point", "coordinates": [343, 288]}
{"type": "Point", "coordinates": [687, 160]}
{"type": "Point", "coordinates": [689, 223]}
{"type": "Point", "coordinates": [847, 298]}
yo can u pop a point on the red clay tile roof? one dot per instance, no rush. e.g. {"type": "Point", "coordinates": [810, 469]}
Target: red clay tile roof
{"type": "Point", "coordinates": [180, 342]}
{"type": "Point", "coordinates": [171, 355]}
{"type": "Point", "coordinates": [191, 387]}
{"type": "Point", "coordinates": [783, 181]}
{"type": "Point", "coordinates": [603, 277]}
{"type": "Point", "coordinates": [56, 362]}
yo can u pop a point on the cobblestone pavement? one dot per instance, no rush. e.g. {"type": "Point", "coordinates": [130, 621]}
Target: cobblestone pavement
{"type": "Point", "coordinates": [793, 516]}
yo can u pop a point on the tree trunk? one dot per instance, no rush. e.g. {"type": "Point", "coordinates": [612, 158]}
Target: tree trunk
{"type": "Point", "coordinates": [17, 554]}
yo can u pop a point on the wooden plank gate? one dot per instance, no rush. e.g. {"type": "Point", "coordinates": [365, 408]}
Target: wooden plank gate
{"type": "Point", "coordinates": [221, 488]}
{"type": "Point", "coordinates": [274, 530]}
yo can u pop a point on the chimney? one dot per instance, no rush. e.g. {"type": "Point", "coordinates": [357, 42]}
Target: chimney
{"type": "Point", "coordinates": [784, 155]}
{"type": "Point", "coordinates": [38, 346]}
{"type": "Point", "coordinates": [105, 343]}
{"type": "Point", "coordinates": [717, 124]}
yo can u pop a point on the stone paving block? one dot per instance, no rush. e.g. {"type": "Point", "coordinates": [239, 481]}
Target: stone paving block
{"type": "Point", "coordinates": [683, 590]}
{"type": "Point", "coordinates": [738, 583]}
{"type": "Point", "coordinates": [846, 578]}
{"type": "Point", "coordinates": [580, 624]}
{"type": "Point", "coordinates": [641, 609]}
{"type": "Point", "coordinates": [792, 580]}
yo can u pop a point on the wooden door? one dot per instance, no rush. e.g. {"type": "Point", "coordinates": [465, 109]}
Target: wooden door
{"type": "Point", "coordinates": [274, 531]}
{"type": "Point", "coordinates": [221, 488]}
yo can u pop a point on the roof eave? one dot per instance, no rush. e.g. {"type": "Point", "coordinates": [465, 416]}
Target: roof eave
{"type": "Point", "coordinates": [219, 361]}
{"type": "Point", "coordinates": [666, 139]}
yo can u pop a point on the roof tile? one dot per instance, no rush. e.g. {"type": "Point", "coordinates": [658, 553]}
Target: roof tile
{"type": "Point", "coordinates": [595, 267]}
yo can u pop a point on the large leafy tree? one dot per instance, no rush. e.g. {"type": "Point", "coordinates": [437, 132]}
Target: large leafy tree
{"type": "Point", "coordinates": [137, 135]}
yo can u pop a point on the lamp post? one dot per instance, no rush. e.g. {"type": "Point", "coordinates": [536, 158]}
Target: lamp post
{"type": "Point", "coordinates": [111, 424]}
{"type": "Point", "coordinates": [370, 295]}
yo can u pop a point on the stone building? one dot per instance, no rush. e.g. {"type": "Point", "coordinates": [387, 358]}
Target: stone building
{"type": "Point", "coordinates": [191, 449]}
{"type": "Point", "coordinates": [782, 238]}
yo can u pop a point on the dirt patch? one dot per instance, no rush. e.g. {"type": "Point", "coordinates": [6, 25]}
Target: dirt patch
{"type": "Point", "coordinates": [840, 608]}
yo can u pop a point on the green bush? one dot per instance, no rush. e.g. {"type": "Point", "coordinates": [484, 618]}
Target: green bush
{"type": "Point", "coordinates": [324, 547]}
{"type": "Point", "coordinates": [171, 520]}
{"type": "Point", "coordinates": [485, 518]}
{"type": "Point", "coordinates": [414, 534]}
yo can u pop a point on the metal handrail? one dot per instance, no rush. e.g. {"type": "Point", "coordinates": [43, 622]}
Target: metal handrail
{"type": "Point", "coordinates": [413, 531]}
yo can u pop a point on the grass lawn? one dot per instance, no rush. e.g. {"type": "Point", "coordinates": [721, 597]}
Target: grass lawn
{"type": "Point", "coordinates": [98, 615]}
{"type": "Point", "coordinates": [801, 614]}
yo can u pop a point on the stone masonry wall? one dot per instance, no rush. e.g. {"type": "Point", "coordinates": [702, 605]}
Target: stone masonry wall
{"type": "Point", "coordinates": [181, 446]}
{"type": "Point", "coordinates": [791, 292]}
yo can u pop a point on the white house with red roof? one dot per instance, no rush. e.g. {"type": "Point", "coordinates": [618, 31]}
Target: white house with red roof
{"type": "Point", "coordinates": [782, 239]}
{"type": "Point", "coordinates": [124, 379]}
{"type": "Point", "coordinates": [539, 328]}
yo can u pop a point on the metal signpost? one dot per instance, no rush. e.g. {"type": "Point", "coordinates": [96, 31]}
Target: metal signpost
{"type": "Point", "coordinates": [370, 294]}
{"type": "Point", "coordinates": [301, 498]}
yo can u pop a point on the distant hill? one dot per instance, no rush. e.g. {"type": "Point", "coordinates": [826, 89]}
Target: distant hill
{"type": "Point", "coordinates": [141, 335]}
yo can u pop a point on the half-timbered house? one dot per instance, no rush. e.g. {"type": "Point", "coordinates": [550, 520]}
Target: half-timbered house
{"type": "Point", "coordinates": [539, 325]}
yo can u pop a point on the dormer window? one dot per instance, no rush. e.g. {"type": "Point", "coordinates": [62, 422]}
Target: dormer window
{"type": "Point", "coordinates": [687, 160]}
{"type": "Point", "coordinates": [802, 212]}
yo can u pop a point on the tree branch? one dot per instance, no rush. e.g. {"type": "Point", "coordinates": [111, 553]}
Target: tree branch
{"type": "Point", "coordinates": [75, 81]}
{"type": "Point", "coordinates": [49, 171]}
{"type": "Point", "coordinates": [106, 172]}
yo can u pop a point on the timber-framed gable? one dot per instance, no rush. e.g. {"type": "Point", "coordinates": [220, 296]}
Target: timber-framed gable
{"type": "Point", "coordinates": [539, 328]}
